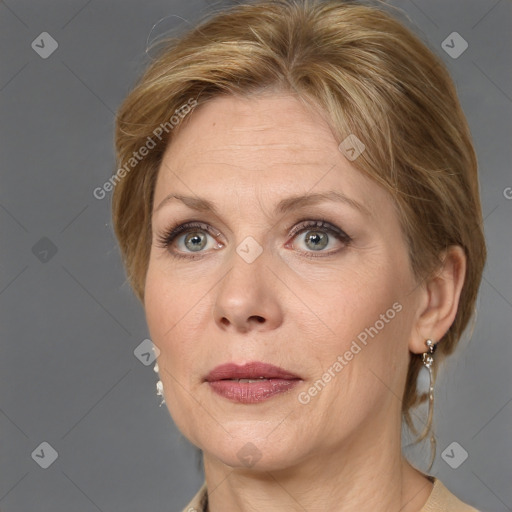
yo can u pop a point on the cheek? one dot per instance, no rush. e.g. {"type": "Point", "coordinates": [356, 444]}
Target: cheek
{"type": "Point", "coordinates": [159, 307]}
{"type": "Point", "coordinates": [167, 302]}
{"type": "Point", "coordinates": [177, 315]}
{"type": "Point", "coordinates": [166, 314]}
{"type": "Point", "coordinates": [355, 301]}
{"type": "Point", "coordinates": [366, 322]}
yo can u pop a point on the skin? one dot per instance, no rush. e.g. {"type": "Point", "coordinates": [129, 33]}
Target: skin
{"type": "Point", "coordinates": [342, 450]}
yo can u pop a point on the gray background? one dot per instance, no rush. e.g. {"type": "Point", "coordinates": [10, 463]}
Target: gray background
{"type": "Point", "coordinates": [70, 323]}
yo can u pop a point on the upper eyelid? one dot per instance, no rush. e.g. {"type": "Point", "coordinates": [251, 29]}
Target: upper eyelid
{"type": "Point", "coordinates": [319, 223]}
{"type": "Point", "coordinates": [309, 222]}
{"type": "Point", "coordinates": [297, 228]}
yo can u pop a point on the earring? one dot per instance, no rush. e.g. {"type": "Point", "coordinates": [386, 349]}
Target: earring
{"type": "Point", "coordinates": [428, 361]}
{"type": "Point", "coordinates": [159, 387]}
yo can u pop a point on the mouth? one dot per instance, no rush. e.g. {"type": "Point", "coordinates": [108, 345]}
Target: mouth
{"type": "Point", "coordinates": [250, 383]}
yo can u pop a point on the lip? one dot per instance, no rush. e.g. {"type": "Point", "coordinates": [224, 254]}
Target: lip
{"type": "Point", "coordinates": [271, 381]}
{"type": "Point", "coordinates": [252, 370]}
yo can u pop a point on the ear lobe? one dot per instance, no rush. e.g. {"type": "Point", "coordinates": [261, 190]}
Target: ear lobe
{"type": "Point", "coordinates": [440, 299]}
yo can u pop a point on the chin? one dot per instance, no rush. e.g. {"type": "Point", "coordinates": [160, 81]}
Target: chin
{"type": "Point", "coordinates": [248, 445]}
{"type": "Point", "coordinates": [245, 454]}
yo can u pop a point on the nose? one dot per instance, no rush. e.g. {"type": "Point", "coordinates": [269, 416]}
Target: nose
{"type": "Point", "coordinates": [248, 297]}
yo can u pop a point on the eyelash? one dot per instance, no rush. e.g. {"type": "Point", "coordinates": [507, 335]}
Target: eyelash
{"type": "Point", "coordinates": [165, 239]}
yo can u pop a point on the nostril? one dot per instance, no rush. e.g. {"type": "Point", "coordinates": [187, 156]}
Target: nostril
{"type": "Point", "coordinates": [259, 319]}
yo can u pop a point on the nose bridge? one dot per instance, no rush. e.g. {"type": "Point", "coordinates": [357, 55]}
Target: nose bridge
{"type": "Point", "coordinates": [247, 269]}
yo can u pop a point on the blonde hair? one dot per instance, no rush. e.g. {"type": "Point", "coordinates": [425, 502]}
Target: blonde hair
{"type": "Point", "coordinates": [369, 76]}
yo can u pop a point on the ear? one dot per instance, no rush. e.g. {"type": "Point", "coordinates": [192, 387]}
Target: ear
{"type": "Point", "coordinates": [439, 300]}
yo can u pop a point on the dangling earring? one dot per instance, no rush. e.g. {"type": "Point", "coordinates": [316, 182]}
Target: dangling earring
{"type": "Point", "coordinates": [428, 362]}
{"type": "Point", "coordinates": [159, 387]}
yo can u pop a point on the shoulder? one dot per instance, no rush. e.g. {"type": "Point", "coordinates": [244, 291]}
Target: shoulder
{"type": "Point", "coordinates": [442, 500]}
{"type": "Point", "coordinates": [198, 502]}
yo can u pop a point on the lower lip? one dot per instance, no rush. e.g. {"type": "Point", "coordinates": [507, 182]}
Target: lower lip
{"type": "Point", "coordinates": [251, 392]}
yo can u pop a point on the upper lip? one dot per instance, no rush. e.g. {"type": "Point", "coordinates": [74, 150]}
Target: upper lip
{"type": "Point", "coordinates": [253, 370]}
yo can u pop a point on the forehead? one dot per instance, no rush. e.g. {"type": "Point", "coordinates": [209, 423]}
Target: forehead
{"type": "Point", "coordinates": [278, 126]}
{"type": "Point", "coordinates": [270, 144]}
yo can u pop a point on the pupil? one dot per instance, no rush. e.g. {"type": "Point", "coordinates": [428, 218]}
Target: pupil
{"type": "Point", "coordinates": [196, 240]}
{"type": "Point", "coordinates": [319, 239]}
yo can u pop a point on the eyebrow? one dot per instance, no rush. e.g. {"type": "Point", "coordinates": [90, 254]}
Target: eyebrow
{"type": "Point", "coordinates": [285, 205]}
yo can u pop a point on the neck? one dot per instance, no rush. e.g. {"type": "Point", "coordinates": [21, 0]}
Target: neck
{"type": "Point", "coordinates": [365, 473]}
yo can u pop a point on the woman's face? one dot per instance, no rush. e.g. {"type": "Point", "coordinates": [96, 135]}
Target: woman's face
{"type": "Point", "coordinates": [320, 288]}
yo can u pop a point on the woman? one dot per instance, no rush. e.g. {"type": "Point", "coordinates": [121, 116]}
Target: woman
{"type": "Point", "coordinates": [297, 208]}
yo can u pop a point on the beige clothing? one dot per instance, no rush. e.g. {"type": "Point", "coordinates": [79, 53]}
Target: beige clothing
{"type": "Point", "coordinates": [440, 500]}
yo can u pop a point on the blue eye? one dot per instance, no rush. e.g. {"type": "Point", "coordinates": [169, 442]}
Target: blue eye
{"type": "Point", "coordinates": [194, 238]}
{"type": "Point", "coordinates": [319, 233]}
